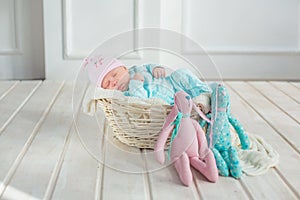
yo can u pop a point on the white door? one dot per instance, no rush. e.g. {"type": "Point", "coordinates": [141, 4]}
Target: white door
{"type": "Point", "coordinates": [21, 39]}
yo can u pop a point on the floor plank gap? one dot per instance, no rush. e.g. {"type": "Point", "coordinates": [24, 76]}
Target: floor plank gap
{"type": "Point", "coordinates": [246, 190]}
{"type": "Point", "coordinates": [196, 188]}
{"type": "Point", "coordinates": [98, 182]}
{"type": "Point", "coordinates": [100, 171]}
{"type": "Point", "coordinates": [148, 195]}
{"type": "Point", "coordinates": [9, 90]}
{"type": "Point", "coordinates": [101, 189]}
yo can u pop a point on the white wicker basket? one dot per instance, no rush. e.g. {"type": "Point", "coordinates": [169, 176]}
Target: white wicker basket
{"type": "Point", "coordinates": [136, 124]}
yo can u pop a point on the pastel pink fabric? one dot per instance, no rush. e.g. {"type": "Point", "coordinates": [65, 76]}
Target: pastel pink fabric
{"type": "Point", "coordinates": [99, 66]}
{"type": "Point", "coordinates": [189, 146]}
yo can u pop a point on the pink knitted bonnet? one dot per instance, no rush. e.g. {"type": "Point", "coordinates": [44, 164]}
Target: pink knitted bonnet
{"type": "Point", "coordinates": [99, 66]}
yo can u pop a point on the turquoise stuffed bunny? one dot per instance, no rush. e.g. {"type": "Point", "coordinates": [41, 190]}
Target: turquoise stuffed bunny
{"type": "Point", "coordinates": [218, 133]}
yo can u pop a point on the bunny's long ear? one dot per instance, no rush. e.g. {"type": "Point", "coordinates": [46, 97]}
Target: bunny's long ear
{"type": "Point", "coordinates": [202, 115]}
{"type": "Point", "coordinates": [171, 117]}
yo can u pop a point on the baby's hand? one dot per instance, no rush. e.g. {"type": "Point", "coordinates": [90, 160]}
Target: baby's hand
{"type": "Point", "coordinates": [138, 77]}
{"type": "Point", "coordinates": [159, 72]}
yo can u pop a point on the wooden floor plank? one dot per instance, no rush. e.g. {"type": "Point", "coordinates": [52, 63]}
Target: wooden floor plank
{"type": "Point", "coordinates": [77, 98]}
{"type": "Point", "coordinates": [16, 136]}
{"type": "Point", "coordinates": [280, 99]}
{"type": "Point", "coordinates": [46, 159]}
{"type": "Point", "coordinates": [15, 100]}
{"type": "Point", "coordinates": [79, 166]}
{"type": "Point", "coordinates": [77, 178]}
{"type": "Point", "coordinates": [6, 87]}
{"type": "Point", "coordinates": [122, 185]}
{"type": "Point", "coordinates": [285, 126]}
{"type": "Point", "coordinates": [226, 186]}
{"type": "Point", "coordinates": [123, 171]}
{"type": "Point", "coordinates": [271, 178]}
{"type": "Point", "coordinates": [297, 84]}
{"type": "Point", "coordinates": [289, 89]}
{"type": "Point", "coordinates": [268, 186]}
{"type": "Point", "coordinates": [289, 162]}
{"type": "Point", "coordinates": [34, 172]}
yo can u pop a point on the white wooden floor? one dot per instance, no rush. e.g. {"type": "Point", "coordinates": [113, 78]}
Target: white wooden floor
{"type": "Point", "coordinates": [43, 157]}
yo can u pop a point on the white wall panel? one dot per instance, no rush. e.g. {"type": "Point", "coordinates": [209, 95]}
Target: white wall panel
{"type": "Point", "coordinates": [89, 23]}
{"type": "Point", "coordinates": [247, 40]}
{"type": "Point", "coordinates": [233, 26]}
{"type": "Point", "coordinates": [9, 35]}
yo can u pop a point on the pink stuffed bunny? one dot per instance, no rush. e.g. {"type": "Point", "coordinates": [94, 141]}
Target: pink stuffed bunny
{"type": "Point", "coordinates": [188, 142]}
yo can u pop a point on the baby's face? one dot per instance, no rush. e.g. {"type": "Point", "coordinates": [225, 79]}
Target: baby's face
{"type": "Point", "coordinates": [117, 78]}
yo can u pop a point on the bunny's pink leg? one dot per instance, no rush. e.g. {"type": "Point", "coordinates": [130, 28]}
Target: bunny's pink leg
{"type": "Point", "coordinates": [207, 167]}
{"type": "Point", "coordinates": [182, 165]}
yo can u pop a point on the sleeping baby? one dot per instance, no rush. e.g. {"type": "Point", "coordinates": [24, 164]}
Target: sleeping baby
{"type": "Point", "coordinates": [147, 81]}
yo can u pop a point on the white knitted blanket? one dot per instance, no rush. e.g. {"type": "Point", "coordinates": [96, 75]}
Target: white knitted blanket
{"type": "Point", "coordinates": [259, 158]}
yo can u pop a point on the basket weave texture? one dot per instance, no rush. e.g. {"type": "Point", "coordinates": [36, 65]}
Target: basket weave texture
{"type": "Point", "coordinates": [136, 124]}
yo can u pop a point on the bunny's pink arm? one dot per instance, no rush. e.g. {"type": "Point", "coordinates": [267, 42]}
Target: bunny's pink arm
{"type": "Point", "coordinates": [166, 129]}
{"type": "Point", "coordinates": [161, 141]}
{"type": "Point", "coordinates": [163, 136]}
{"type": "Point", "coordinates": [171, 117]}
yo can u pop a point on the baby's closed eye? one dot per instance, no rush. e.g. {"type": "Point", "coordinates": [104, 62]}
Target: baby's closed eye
{"type": "Point", "coordinates": [106, 84]}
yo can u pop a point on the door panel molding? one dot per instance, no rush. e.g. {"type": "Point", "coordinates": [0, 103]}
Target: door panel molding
{"type": "Point", "coordinates": [229, 50]}
{"type": "Point", "coordinates": [276, 61]}
{"type": "Point", "coordinates": [16, 48]}
{"type": "Point", "coordinates": [69, 53]}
